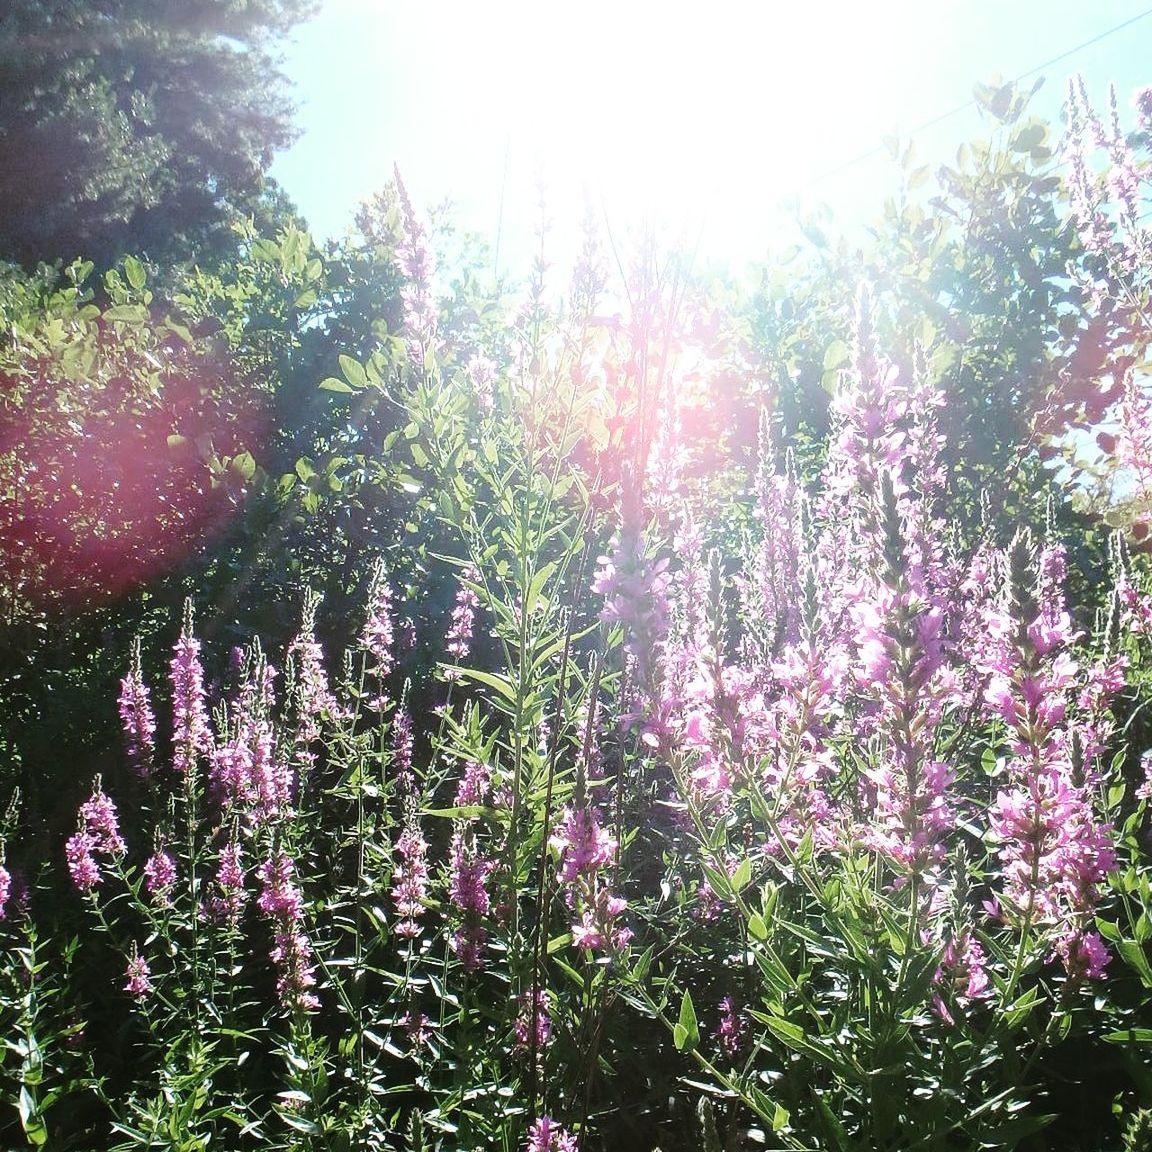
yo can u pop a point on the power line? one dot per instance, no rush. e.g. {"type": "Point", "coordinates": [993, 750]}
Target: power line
{"type": "Point", "coordinates": [933, 121]}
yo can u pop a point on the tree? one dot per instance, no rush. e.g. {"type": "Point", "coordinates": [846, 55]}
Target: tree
{"type": "Point", "coordinates": [137, 125]}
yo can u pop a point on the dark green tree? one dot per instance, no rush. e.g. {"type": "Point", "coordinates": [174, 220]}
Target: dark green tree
{"type": "Point", "coordinates": [138, 125]}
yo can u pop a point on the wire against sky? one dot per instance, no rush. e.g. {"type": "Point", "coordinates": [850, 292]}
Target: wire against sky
{"type": "Point", "coordinates": [941, 117]}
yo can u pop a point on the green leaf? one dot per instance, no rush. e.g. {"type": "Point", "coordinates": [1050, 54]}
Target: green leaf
{"type": "Point", "coordinates": [265, 251]}
{"type": "Point", "coordinates": [836, 356]}
{"type": "Point", "coordinates": [686, 1034]}
{"type": "Point", "coordinates": [134, 270]}
{"type": "Point", "coordinates": [126, 314]}
{"type": "Point", "coordinates": [331, 384]}
{"type": "Point", "coordinates": [757, 929]}
{"type": "Point", "coordinates": [718, 880]}
{"type": "Point", "coordinates": [1130, 1036]}
{"type": "Point", "coordinates": [742, 876]}
{"type": "Point", "coordinates": [498, 683]}
{"type": "Point", "coordinates": [353, 371]}
{"type": "Point", "coordinates": [1136, 958]}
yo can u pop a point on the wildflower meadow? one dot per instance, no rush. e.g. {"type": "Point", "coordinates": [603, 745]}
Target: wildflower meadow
{"type": "Point", "coordinates": [616, 711]}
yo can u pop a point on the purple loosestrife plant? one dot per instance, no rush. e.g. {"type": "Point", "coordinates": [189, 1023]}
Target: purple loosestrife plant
{"type": "Point", "coordinates": [410, 875]}
{"type": "Point", "coordinates": [281, 901]}
{"type": "Point", "coordinates": [159, 877]}
{"type": "Point", "coordinates": [97, 835]}
{"type": "Point", "coordinates": [314, 699]}
{"type": "Point", "coordinates": [139, 985]}
{"type": "Point", "coordinates": [458, 641]}
{"type": "Point", "coordinates": [416, 264]}
{"type": "Point", "coordinates": [136, 717]}
{"type": "Point", "coordinates": [191, 732]}
{"type": "Point", "coordinates": [546, 1135]}
{"type": "Point", "coordinates": [378, 636]}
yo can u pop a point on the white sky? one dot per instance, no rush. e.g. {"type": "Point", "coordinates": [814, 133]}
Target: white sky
{"type": "Point", "coordinates": [705, 117]}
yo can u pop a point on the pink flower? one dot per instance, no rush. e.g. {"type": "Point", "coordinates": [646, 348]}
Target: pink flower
{"type": "Point", "coordinates": [191, 734]}
{"type": "Point", "coordinates": [282, 902]}
{"type": "Point", "coordinates": [410, 877]}
{"type": "Point", "coordinates": [159, 876]}
{"type": "Point", "coordinates": [474, 783]}
{"type": "Point", "coordinates": [730, 1030]}
{"type": "Point", "coordinates": [136, 716]}
{"type": "Point", "coordinates": [459, 638]}
{"type": "Point", "coordinates": [313, 697]}
{"type": "Point", "coordinates": [97, 834]}
{"type": "Point", "coordinates": [139, 977]}
{"type": "Point", "coordinates": [547, 1136]}
{"type": "Point", "coordinates": [469, 898]}
{"type": "Point", "coordinates": [378, 636]}
{"type": "Point", "coordinates": [82, 864]}
{"type": "Point", "coordinates": [533, 1016]}
{"type": "Point", "coordinates": [1084, 955]}
{"type": "Point", "coordinates": [5, 890]}
{"type": "Point", "coordinates": [230, 882]}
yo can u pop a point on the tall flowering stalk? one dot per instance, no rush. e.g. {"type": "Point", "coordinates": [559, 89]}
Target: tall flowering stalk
{"type": "Point", "coordinates": [1054, 851]}
{"type": "Point", "coordinates": [136, 717]}
{"type": "Point", "coordinates": [250, 773]}
{"type": "Point", "coordinates": [281, 901]}
{"type": "Point", "coordinates": [97, 835]}
{"type": "Point", "coordinates": [586, 849]}
{"type": "Point", "coordinates": [414, 258]}
{"type": "Point", "coordinates": [378, 635]}
{"type": "Point", "coordinates": [458, 641]}
{"type": "Point", "coordinates": [546, 1135]}
{"type": "Point", "coordinates": [410, 875]}
{"type": "Point", "coordinates": [314, 699]}
{"type": "Point", "coordinates": [469, 870]}
{"type": "Point", "coordinates": [191, 732]}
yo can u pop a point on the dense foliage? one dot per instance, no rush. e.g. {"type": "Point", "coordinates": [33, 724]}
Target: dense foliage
{"type": "Point", "coordinates": [439, 717]}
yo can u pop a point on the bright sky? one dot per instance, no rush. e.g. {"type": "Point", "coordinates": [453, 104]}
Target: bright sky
{"type": "Point", "coordinates": [704, 118]}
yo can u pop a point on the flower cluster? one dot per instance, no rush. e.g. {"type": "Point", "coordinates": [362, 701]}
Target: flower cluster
{"type": "Point", "coordinates": [248, 774]}
{"type": "Point", "coordinates": [191, 734]}
{"type": "Point", "coordinates": [159, 877]}
{"type": "Point", "coordinates": [458, 641]}
{"type": "Point", "coordinates": [136, 716]}
{"type": "Point", "coordinates": [410, 876]}
{"type": "Point", "coordinates": [533, 1020]}
{"type": "Point", "coordinates": [547, 1136]}
{"type": "Point", "coordinates": [416, 263]}
{"type": "Point", "coordinates": [378, 636]}
{"type": "Point", "coordinates": [314, 699]}
{"type": "Point", "coordinates": [586, 849]}
{"type": "Point", "coordinates": [97, 834]}
{"type": "Point", "coordinates": [280, 900]}
{"type": "Point", "coordinates": [468, 894]}
{"type": "Point", "coordinates": [139, 984]}
{"type": "Point", "coordinates": [231, 894]}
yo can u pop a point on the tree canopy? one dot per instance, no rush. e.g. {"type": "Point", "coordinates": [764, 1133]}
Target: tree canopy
{"type": "Point", "coordinates": [128, 125]}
